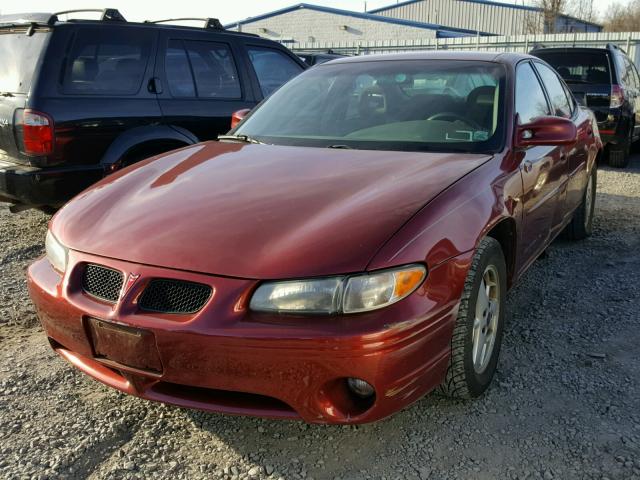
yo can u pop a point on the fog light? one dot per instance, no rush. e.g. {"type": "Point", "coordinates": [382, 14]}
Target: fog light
{"type": "Point", "coordinates": [360, 387]}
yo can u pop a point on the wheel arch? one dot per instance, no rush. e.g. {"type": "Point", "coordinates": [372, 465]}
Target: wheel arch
{"type": "Point", "coordinates": [145, 138]}
{"type": "Point", "coordinates": [505, 232]}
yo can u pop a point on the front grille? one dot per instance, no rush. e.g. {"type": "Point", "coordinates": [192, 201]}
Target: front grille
{"type": "Point", "coordinates": [174, 296]}
{"type": "Point", "coordinates": [102, 282]}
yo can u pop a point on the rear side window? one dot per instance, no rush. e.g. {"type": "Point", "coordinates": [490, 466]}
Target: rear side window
{"type": "Point", "coordinates": [214, 69]}
{"type": "Point", "coordinates": [176, 65]}
{"type": "Point", "coordinates": [19, 53]}
{"type": "Point", "coordinates": [580, 67]}
{"type": "Point", "coordinates": [531, 102]}
{"type": "Point", "coordinates": [273, 68]}
{"type": "Point", "coordinates": [107, 61]}
{"type": "Point", "coordinates": [557, 95]}
{"type": "Point", "coordinates": [627, 71]}
{"type": "Point", "coordinates": [201, 69]}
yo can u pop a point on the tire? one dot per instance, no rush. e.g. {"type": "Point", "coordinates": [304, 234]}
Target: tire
{"type": "Point", "coordinates": [465, 378]}
{"type": "Point", "coordinates": [619, 154]}
{"type": "Point", "coordinates": [581, 224]}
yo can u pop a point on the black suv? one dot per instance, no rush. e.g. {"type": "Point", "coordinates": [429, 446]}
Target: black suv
{"type": "Point", "coordinates": [606, 81]}
{"type": "Point", "coordinates": [82, 98]}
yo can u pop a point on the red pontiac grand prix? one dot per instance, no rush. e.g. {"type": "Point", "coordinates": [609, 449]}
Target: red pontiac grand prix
{"type": "Point", "coordinates": [346, 249]}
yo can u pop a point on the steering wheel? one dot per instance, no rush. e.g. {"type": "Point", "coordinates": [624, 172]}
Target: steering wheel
{"type": "Point", "coordinates": [452, 117]}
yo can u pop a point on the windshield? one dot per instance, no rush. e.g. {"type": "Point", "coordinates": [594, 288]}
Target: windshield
{"type": "Point", "coordinates": [420, 105]}
{"type": "Point", "coordinates": [580, 67]}
{"type": "Point", "coordinates": [19, 53]}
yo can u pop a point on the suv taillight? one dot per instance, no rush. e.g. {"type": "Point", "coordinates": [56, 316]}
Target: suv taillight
{"type": "Point", "coordinates": [35, 132]}
{"type": "Point", "coordinates": [617, 96]}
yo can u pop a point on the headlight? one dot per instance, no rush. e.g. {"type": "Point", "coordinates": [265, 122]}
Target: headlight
{"type": "Point", "coordinates": [56, 252]}
{"type": "Point", "coordinates": [343, 294]}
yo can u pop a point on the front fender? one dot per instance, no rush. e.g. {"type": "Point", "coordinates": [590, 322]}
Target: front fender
{"type": "Point", "coordinates": [456, 220]}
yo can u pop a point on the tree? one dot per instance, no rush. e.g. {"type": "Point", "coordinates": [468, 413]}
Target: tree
{"type": "Point", "coordinates": [551, 9]}
{"type": "Point", "coordinates": [623, 18]}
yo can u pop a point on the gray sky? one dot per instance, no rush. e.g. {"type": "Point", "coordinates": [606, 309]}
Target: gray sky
{"type": "Point", "coordinates": [227, 10]}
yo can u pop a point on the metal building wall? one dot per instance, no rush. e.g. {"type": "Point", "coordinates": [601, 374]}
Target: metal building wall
{"type": "Point", "coordinates": [499, 19]}
{"type": "Point", "coordinates": [629, 41]}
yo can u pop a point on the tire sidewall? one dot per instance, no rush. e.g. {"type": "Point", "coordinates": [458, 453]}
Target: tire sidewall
{"type": "Point", "coordinates": [478, 383]}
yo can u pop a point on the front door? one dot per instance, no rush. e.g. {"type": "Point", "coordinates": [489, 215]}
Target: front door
{"type": "Point", "coordinates": [543, 170]}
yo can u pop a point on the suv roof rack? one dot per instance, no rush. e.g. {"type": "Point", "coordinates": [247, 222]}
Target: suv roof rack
{"type": "Point", "coordinates": [210, 23]}
{"type": "Point", "coordinates": [108, 14]}
{"type": "Point", "coordinates": [49, 19]}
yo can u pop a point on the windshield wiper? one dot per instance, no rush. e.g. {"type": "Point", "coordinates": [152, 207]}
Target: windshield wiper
{"type": "Point", "coordinates": [6, 94]}
{"type": "Point", "coordinates": [347, 147]}
{"type": "Point", "coordinates": [239, 138]}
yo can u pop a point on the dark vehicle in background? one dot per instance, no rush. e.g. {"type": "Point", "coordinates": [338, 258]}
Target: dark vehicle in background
{"type": "Point", "coordinates": [606, 81]}
{"type": "Point", "coordinates": [316, 58]}
{"type": "Point", "coordinates": [82, 98]}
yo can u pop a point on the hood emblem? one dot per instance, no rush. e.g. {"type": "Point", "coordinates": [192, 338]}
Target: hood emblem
{"type": "Point", "coordinates": [131, 279]}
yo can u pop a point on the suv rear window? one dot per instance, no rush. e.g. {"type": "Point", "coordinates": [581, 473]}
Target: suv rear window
{"type": "Point", "coordinates": [19, 53]}
{"type": "Point", "coordinates": [107, 61]}
{"type": "Point", "coordinates": [579, 67]}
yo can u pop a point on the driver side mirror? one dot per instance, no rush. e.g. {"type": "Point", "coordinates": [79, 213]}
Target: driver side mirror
{"type": "Point", "coordinates": [546, 131]}
{"type": "Point", "coordinates": [238, 116]}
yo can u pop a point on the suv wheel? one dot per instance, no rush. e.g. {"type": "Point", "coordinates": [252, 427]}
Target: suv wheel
{"type": "Point", "coordinates": [477, 334]}
{"type": "Point", "coordinates": [581, 224]}
{"type": "Point", "coordinates": [619, 154]}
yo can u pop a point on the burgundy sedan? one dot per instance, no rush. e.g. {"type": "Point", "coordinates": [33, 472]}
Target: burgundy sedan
{"type": "Point", "coordinates": [346, 249]}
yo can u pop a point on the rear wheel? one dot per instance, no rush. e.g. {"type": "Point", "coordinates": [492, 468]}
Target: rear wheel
{"type": "Point", "coordinates": [581, 224]}
{"type": "Point", "coordinates": [477, 335]}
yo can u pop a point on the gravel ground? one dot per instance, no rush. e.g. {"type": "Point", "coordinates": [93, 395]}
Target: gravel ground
{"type": "Point", "coordinates": [565, 403]}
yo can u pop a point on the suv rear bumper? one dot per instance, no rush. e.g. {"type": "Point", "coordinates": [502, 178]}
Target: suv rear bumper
{"type": "Point", "coordinates": [40, 187]}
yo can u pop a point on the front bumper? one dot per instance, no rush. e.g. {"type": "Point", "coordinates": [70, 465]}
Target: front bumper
{"type": "Point", "coordinates": [228, 359]}
{"type": "Point", "coordinates": [39, 187]}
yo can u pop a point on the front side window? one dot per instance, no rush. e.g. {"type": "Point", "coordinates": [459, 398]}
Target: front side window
{"type": "Point", "coordinates": [107, 61]}
{"type": "Point", "coordinates": [531, 102]}
{"type": "Point", "coordinates": [557, 95]}
{"type": "Point", "coordinates": [273, 68]}
{"type": "Point", "coordinates": [387, 105]}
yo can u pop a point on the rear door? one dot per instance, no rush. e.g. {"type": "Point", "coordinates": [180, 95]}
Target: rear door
{"type": "Point", "coordinates": [94, 84]}
{"type": "Point", "coordinates": [203, 80]}
{"type": "Point", "coordinates": [19, 56]}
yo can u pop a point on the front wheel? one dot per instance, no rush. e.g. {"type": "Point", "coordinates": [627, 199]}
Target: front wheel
{"type": "Point", "coordinates": [581, 224]}
{"type": "Point", "coordinates": [477, 334]}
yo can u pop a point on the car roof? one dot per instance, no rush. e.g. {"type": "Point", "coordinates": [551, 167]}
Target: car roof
{"type": "Point", "coordinates": [497, 57]}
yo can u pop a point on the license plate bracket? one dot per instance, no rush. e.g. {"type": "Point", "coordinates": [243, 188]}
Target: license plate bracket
{"type": "Point", "coordinates": [124, 345]}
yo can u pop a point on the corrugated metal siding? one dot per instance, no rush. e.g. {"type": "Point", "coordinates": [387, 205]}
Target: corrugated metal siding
{"type": "Point", "coordinates": [502, 20]}
{"type": "Point", "coordinates": [629, 41]}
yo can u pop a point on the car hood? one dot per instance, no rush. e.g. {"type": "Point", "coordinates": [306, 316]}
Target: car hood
{"type": "Point", "coordinates": [257, 211]}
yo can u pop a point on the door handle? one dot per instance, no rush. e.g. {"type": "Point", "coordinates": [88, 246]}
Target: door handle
{"type": "Point", "coordinates": [154, 85]}
{"type": "Point", "coordinates": [528, 166]}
